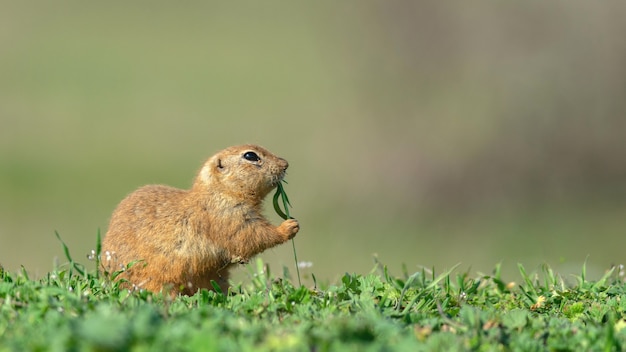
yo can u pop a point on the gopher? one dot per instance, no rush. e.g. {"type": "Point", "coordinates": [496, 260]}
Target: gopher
{"type": "Point", "coordinates": [179, 240]}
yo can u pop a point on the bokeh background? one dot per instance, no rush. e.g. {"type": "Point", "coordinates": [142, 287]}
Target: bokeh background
{"type": "Point", "coordinates": [426, 133]}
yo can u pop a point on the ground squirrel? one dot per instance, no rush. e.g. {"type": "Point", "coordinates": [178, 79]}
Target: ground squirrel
{"type": "Point", "coordinates": [183, 239]}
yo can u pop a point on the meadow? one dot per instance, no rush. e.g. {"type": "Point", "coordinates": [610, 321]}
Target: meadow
{"type": "Point", "coordinates": [73, 308]}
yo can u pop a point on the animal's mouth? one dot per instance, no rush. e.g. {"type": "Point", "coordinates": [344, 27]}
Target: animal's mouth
{"type": "Point", "coordinates": [276, 179]}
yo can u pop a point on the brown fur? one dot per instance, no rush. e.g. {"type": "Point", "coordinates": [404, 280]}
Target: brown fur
{"type": "Point", "coordinates": [186, 238]}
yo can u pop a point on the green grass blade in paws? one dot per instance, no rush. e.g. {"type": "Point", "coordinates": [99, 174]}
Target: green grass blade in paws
{"type": "Point", "coordinates": [280, 192]}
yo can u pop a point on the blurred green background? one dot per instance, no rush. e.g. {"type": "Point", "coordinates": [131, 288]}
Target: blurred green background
{"type": "Point", "coordinates": [428, 133]}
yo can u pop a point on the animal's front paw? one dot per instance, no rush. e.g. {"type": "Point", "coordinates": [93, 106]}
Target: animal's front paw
{"type": "Point", "coordinates": [289, 228]}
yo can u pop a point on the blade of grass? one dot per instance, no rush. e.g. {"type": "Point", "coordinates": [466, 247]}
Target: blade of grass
{"type": "Point", "coordinates": [602, 281]}
{"type": "Point", "coordinates": [442, 276]}
{"type": "Point", "coordinates": [66, 250]}
{"type": "Point", "coordinates": [529, 282]}
{"type": "Point", "coordinates": [98, 252]}
{"type": "Point", "coordinates": [280, 191]}
{"type": "Point", "coordinates": [73, 264]}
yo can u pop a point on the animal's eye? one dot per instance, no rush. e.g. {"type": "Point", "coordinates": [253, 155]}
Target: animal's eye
{"type": "Point", "coordinates": [251, 156]}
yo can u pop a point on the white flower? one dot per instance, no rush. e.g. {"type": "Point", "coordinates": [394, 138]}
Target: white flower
{"type": "Point", "coordinates": [305, 265]}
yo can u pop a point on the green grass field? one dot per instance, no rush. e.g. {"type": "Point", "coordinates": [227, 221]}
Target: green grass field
{"type": "Point", "coordinates": [73, 309]}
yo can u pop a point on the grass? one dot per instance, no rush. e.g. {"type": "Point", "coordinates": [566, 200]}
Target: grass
{"type": "Point", "coordinates": [74, 309]}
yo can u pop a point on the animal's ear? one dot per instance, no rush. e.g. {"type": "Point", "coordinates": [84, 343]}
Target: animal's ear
{"type": "Point", "coordinates": [205, 173]}
{"type": "Point", "coordinates": [210, 168]}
